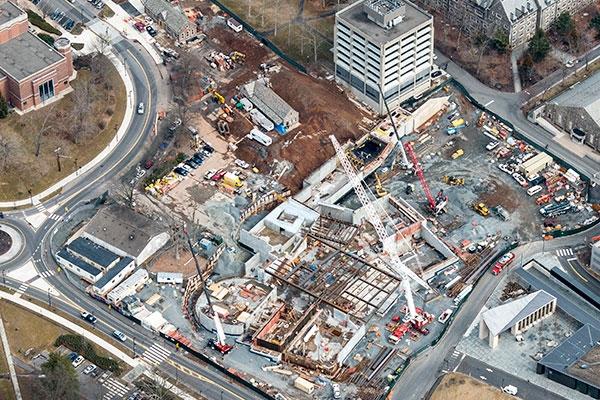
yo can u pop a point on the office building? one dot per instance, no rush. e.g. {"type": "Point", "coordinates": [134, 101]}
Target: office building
{"type": "Point", "coordinates": [383, 45]}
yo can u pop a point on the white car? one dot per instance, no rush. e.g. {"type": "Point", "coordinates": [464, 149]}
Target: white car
{"type": "Point", "coordinates": [78, 361]}
{"type": "Point", "coordinates": [140, 109]}
{"type": "Point", "coordinates": [241, 163]}
{"type": "Point", "coordinates": [445, 315]}
{"type": "Point", "coordinates": [504, 168]}
{"type": "Point", "coordinates": [89, 369]}
{"type": "Point", "coordinates": [519, 178]}
{"type": "Point", "coordinates": [209, 174]}
{"type": "Point", "coordinates": [492, 145]}
{"type": "Point", "coordinates": [510, 389]}
{"type": "Point", "coordinates": [120, 335]}
{"type": "Point", "coordinates": [337, 393]}
{"type": "Point", "coordinates": [570, 63]}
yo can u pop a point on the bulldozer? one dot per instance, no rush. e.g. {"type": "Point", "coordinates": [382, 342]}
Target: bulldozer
{"type": "Point", "coordinates": [481, 209]}
{"type": "Point", "coordinates": [453, 180]}
{"type": "Point", "coordinates": [237, 57]}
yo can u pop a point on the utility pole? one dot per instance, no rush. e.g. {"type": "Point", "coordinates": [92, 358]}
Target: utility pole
{"type": "Point", "coordinates": [133, 346]}
{"type": "Point", "coordinates": [49, 298]}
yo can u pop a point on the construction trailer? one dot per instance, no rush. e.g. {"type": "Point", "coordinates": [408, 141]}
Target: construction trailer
{"type": "Point", "coordinates": [536, 164]}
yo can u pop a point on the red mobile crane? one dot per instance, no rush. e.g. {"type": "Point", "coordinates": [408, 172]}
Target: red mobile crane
{"type": "Point", "coordinates": [420, 174]}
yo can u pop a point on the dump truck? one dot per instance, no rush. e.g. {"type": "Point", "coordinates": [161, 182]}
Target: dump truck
{"type": "Point", "coordinates": [458, 153]}
{"type": "Point", "coordinates": [453, 180]}
{"type": "Point", "coordinates": [481, 209]}
{"type": "Point", "coordinates": [232, 180]}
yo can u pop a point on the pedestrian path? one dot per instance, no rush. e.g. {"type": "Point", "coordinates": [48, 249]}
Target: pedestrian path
{"type": "Point", "coordinates": [22, 289]}
{"type": "Point", "coordinates": [156, 354]}
{"type": "Point", "coordinates": [564, 252]}
{"type": "Point", "coordinates": [114, 389]}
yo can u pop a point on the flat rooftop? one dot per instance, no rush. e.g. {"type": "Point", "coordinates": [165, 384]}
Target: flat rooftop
{"type": "Point", "coordinates": [356, 18]}
{"type": "Point", "coordinates": [591, 364]}
{"type": "Point", "coordinates": [8, 12]}
{"type": "Point", "coordinates": [26, 55]}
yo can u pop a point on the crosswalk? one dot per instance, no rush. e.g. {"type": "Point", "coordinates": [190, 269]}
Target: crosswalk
{"type": "Point", "coordinates": [55, 217]}
{"type": "Point", "coordinates": [564, 252]}
{"type": "Point", "coordinates": [114, 389]}
{"type": "Point", "coordinates": [47, 274]}
{"type": "Point", "coordinates": [40, 207]}
{"type": "Point", "coordinates": [21, 289]}
{"type": "Point", "coordinates": [156, 354]}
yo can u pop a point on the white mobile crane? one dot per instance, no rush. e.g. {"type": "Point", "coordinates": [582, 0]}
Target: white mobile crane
{"type": "Point", "coordinates": [217, 343]}
{"type": "Point", "coordinates": [389, 247]}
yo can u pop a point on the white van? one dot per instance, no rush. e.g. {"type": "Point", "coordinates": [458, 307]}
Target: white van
{"type": "Point", "coordinates": [534, 189]}
{"type": "Point", "coordinates": [246, 105]}
{"type": "Point", "coordinates": [260, 137]}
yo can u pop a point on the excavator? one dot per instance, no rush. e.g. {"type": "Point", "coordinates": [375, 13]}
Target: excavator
{"type": "Point", "coordinates": [453, 180]}
{"type": "Point", "coordinates": [379, 187]}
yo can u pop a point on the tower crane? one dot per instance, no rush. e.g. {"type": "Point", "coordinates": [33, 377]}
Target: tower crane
{"type": "Point", "coordinates": [374, 218]}
{"type": "Point", "coordinates": [219, 342]}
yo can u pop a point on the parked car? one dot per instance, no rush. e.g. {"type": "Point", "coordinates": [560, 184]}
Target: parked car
{"type": "Point", "coordinates": [191, 163]}
{"type": "Point", "coordinates": [140, 109]}
{"type": "Point", "coordinates": [504, 168]}
{"type": "Point", "coordinates": [519, 178]}
{"type": "Point", "coordinates": [337, 393]}
{"type": "Point", "coordinates": [510, 389]}
{"type": "Point", "coordinates": [435, 74]}
{"type": "Point", "coordinates": [151, 31]}
{"type": "Point", "coordinates": [208, 148]}
{"type": "Point", "coordinates": [218, 175]}
{"type": "Point", "coordinates": [148, 164]}
{"type": "Point", "coordinates": [78, 361]}
{"type": "Point", "coordinates": [492, 145]}
{"type": "Point", "coordinates": [180, 171]}
{"type": "Point", "coordinates": [120, 335]}
{"type": "Point", "coordinates": [140, 26]}
{"type": "Point", "coordinates": [89, 369]}
{"type": "Point", "coordinates": [185, 166]}
{"type": "Point", "coordinates": [73, 356]}
{"type": "Point", "coordinates": [241, 163]}
{"type": "Point", "coordinates": [445, 316]}
{"type": "Point", "coordinates": [209, 174]}
{"type": "Point", "coordinates": [89, 317]}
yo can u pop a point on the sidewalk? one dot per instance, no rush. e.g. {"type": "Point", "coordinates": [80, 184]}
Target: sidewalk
{"type": "Point", "coordinates": [9, 361]}
{"type": "Point", "coordinates": [119, 135]}
{"type": "Point", "coordinates": [133, 362]}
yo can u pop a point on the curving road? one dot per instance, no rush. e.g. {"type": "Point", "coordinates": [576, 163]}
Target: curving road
{"type": "Point", "coordinates": [207, 380]}
{"type": "Point", "coordinates": [421, 374]}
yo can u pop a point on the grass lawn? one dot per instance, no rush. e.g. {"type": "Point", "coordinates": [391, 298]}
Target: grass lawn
{"type": "Point", "coordinates": [457, 386]}
{"type": "Point", "coordinates": [26, 330]}
{"type": "Point", "coordinates": [36, 174]}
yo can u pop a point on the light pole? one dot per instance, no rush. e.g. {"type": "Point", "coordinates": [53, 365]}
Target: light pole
{"type": "Point", "coordinates": [133, 346]}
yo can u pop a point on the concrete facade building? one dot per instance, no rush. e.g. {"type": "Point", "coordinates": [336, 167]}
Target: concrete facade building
{"type": "Point", "coordinates": [516, 316]}
{"type": "Point", "coordinates": [172, 19]}
{"type": "Point", "coordinates": [577, 112]}
{"type": "Point", "coordinates": [595, 258]}
{"type": "Point", "coordinates": [31, 72]}
{"type": "Point", "coordinates": [383, 45]}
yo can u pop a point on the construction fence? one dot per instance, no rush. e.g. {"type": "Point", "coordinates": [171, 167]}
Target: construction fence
{"type": "Point", "coordinates": [261, 38]}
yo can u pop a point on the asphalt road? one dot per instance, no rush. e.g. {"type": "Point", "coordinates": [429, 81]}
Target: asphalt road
{"type": "Point", "coordinates": [211, 383]}
{"type": "Point", "coordinates": [498, 378]}
{"type": "Point", "coordinates": [421, 373]}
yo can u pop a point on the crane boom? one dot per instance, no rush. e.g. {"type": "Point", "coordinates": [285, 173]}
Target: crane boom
{"type": "Point", "coordinates": [421, 175]}
{"type": "Point", "coordinates": [396, 264]}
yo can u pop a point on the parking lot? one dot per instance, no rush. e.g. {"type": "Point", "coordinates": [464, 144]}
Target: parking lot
{"type": "Point", "coordinates": [66, 14]}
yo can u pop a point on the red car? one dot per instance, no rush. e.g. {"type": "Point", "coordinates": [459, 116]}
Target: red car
{"type": "Point", "coordinates": [502, 263]}
{"type": "Point", "coordinates": [218, 175]}
{"type": "Point", "coordinates": [140, 26]}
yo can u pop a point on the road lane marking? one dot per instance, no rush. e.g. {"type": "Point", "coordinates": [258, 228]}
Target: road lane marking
{"type": "Point", "coordinates": [488, 103]}
{"type": "Point", "coordinates": [578, 274]}
{"type": "Point", "coordinates": [461, 360]}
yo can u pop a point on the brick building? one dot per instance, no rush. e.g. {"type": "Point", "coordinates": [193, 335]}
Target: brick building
{"type": "Point", "coordinates": [172, 19]}
{"type": "Point", "coordinates": [32, 73]}
{"type": "Point", "coordinates": [518, 19]}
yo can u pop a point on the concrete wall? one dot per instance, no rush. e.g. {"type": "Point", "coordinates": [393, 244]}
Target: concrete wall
{"type": "Point", "coordinates": [255, 243]}
{"type": "Point", "coordinates": [337, 212]}
{"type": "Point", "coordinates": [435, 242]}
{"type": "Point", "coordinates": [347, 349]}
{"type": "Point", "coordinates": [321, 173]}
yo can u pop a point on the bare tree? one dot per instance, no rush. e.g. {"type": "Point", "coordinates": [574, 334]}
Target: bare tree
{"type": "Point", "coordinates": [41, 124]}
{"type": "Point", "coordinates": [158, 388]}
{"type": "Point", "coordinates": [186, 69]}
{"type": "Point", "coordinates": [81, 112]}
{"type": "Point", "coordinates": [125, 193]}
{"type": "Point", "coordinates": [101, 46]}
{"type": "Point", "coordinates": [7, 152]}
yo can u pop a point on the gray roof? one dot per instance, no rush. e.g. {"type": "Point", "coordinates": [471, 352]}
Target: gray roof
{"type": "Point", "coordinates": [123, 228]}
{"type": "Point", "coordinates": [268, 102]}
{"type": "Point", "coordinates": [356, 18]}
{"type": "Point", "coordinates": [114, 271]}
{"type": "Point", "coordinates": [501, 318]}
{"type": "Point", "coordinates": [92, 251]}
{"type": "Point", "coordinates": [8, 11]}
{"type": "Point", "coordinates": [174, 18]}
{"type": "Point", "coordinates": [26, 55]}
{"type": "Point", "coordinates": [572, 349]}
{"type": "Point", "coordinates": [586, 95]}
{"type": "Point", "coordinates": [516, 9]}
{"type": "Point", "coordinates": [63, 253]}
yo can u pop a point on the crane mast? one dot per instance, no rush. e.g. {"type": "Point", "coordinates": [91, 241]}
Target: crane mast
{"type": "Point", "coordinates": [396, 264]}
{"type": "Point", "coordinates": [421, 175]}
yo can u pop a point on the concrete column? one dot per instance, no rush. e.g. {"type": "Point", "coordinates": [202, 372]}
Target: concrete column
{"type": "Point", "coordinates": [483, 330]}
{"type": "Point", "coordinates": [493, 341]}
